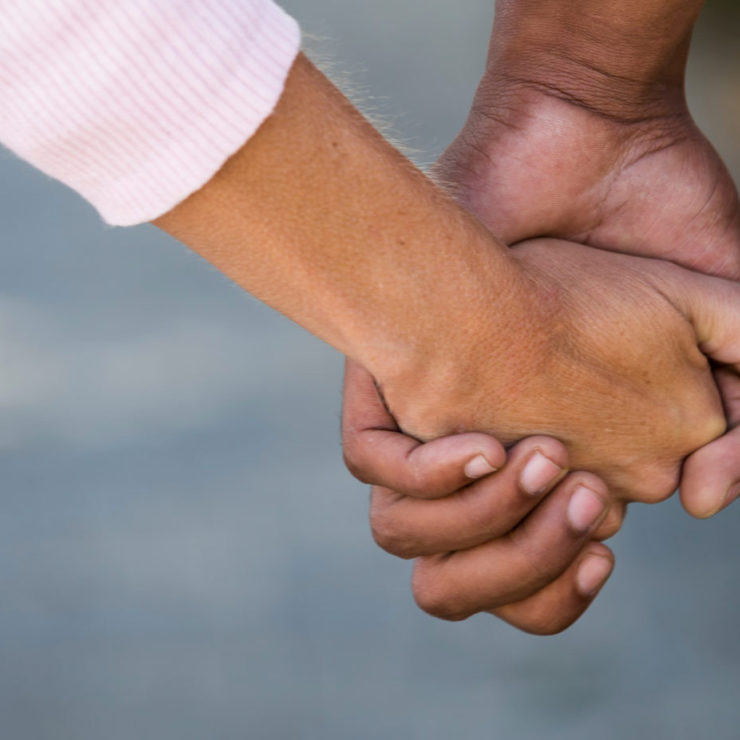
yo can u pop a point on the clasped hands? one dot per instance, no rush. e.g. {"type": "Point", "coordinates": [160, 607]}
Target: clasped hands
{"type": "Point", "coordinates": [624, 368]}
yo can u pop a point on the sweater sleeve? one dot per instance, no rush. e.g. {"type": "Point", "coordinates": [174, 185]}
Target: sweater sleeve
{"type": "Point", "coordinates": [137, 104]}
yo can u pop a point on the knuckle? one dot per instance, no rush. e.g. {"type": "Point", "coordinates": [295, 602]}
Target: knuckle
{"type": "Point", "coordinates": [657, 483]}
{"type": "Point", "coordinates": [390, 535]}
{"type": "Point", "coordinates": [705, 429]}
{"type": "Point", "coordinates": [695, 415]}
{"type": "Point", "coordinates": [352, 466]}
{"type": "Point", "coordinates": [354, 463]}
{"type": "Point", "coordinates": [416, 484]}
{"type": "Point", "coordinates": [435, 598]}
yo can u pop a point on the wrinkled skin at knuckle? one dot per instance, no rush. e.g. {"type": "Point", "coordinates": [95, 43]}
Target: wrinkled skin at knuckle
{"type": "Point", "coordinates": [668, 404]}
{"type": "Point", "coordinates": [654, 476]}
{"type": "Point", "coordinates": [389, 535]}
{"type": "Point", "coordinates": [351, 459]}
{"type": "Point", "coordinates": [433, 596]}
{"type": "Point", "coordinates": [657, 484]}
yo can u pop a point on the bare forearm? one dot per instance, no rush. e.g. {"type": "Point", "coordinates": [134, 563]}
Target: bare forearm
{"type": "Point", "coordinates": [322, 219]}
{"type": "Point", "coordinates": [636, 49]}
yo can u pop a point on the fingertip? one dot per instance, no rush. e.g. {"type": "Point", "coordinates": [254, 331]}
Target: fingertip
{"type": "Point", "coordinates": [478, 467]}
{"type": "Point", "coordinates": [557, 606]}
{"type": "Point", "coordinates": [594, 569]}
{"type": "Point", "coordinates": [711, 477]}
{"type": "Point", "coordinates": [704, 504]}
{"type": "Point", "coordinates": [586, 509]}
{"type": "Point", "coordinates": [480, 454]}
{"type": "Point", "coordinates": [698, 506]}
{"type": "Point", "coordinates": [438, 468]}
{"type": "Point", "coordinates": [551, 448]}
{"type": "Point", "coordinates": [592, 482]}
{"type": "Point", "coordinates": [600, 549]}
{"type": "Point", "coordinates": [542, 463]}
{"type": "Point", "coordinates": [447, 464]}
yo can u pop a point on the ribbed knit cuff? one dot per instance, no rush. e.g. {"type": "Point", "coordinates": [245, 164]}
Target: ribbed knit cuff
{"type": "Point", "coordinates": [137, 104]}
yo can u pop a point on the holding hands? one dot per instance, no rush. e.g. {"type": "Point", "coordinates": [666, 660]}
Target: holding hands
{"type": "Point", "coordinates": [621, 365]}
{"type": "Point", "coordinates": [594, 144]}
{"type": "Point", "coordinates": [623, 382]}
{"type": "Point", "coordinates": [477, 543]}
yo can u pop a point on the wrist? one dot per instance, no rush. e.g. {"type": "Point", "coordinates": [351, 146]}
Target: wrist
{"type": "Point", "coordinates": [322, 219]}
{"type": "Point", "coordinates": [591, 85]}
{"type": "Point", "coordinates": [625, 63]}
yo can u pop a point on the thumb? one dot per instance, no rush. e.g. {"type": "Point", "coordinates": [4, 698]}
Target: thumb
{"type": "Point", "coordinates": [377, 452]}
{"type": "Point", "coordinates": [712, 305]}
{"type": "Point", "coordinates": [711, 475]}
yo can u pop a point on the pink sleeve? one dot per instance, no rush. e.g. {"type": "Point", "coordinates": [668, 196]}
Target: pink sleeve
{"type": "Point", "coordinates": [135, 104]}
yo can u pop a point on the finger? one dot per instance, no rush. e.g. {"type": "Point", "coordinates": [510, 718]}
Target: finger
{"type": "Point", "coordinates": [711, 475]}
{"type": "Point", "coordinates": [362, 405]}
{"type": "Point", "coordinates": [424, 471]}
{"type": "Point", "coordinates": [514, 567]}
{"type": "Point", "coordinates": [410, 527]}
{"type": "Point", "coordinates": [556, 606]}
{"type": "Point", "coordinates": [613, 521]}
{"type": "Point", "coordinates": [376, 452]}
{"type": "Point", "coordinates": [713, 306]}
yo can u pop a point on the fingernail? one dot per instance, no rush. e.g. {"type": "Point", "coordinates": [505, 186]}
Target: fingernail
{"type": "Point", "coordinates": [592, 573]}
{"type": "Point", "coordinates": [585, 508]}
{"type": "Point", "coordinates": [478, 467]}
{"type": "Point", "coordinates": [539, 474]}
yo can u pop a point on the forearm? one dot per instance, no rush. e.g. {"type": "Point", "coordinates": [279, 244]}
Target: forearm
{"type": "Point", "coordinates": [322, 219]}
{"type": "Point", "coordinates": [635, 49]}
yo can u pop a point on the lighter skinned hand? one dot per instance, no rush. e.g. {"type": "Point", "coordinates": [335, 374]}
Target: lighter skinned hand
{"type": "Point", "coordinates": [581, 280]}
{"type": "Point", "coordinates": [642, 179]}
{"type": "Point", "coordinates": [614, 366]}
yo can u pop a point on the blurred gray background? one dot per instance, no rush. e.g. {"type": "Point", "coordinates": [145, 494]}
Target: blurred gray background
{"type": "Point", "coordinates": [181, 552]}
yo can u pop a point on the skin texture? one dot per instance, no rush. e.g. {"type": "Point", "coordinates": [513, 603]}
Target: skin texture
{"type": "Point", "coordinates": [290, 218]}
{"type": "Point", "coordinates": [630, 44]}
{"type": "Point", "coordinates": [549, 600]}
{"type": "Point", "coordinates": [614, 331]}
{"type": "Point", "coordinates": [322, 219]}
{"type": "Point", "coordinates": [560, 142]}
